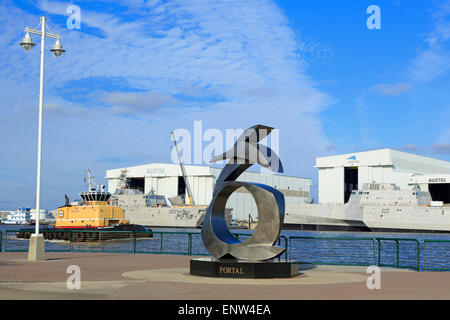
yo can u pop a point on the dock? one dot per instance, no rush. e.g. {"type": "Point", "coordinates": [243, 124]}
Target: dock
{"type": "Point", "coordinates": [121, 276]}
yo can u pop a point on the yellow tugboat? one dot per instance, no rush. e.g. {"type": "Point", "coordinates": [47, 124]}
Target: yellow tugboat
{"type": "Point", "coordinates": [93, 214]}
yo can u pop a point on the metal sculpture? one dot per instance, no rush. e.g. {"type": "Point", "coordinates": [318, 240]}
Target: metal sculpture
{"type": "Point", "coordinates": [217, 238]}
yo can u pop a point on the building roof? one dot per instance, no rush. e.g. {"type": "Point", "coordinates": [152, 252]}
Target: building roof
{"type": "Point", "coordinates": [380, 157]}
{"type": "Point", "coordinates": [171, 169]}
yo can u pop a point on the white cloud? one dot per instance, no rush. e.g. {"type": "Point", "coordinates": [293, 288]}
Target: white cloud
{"type": "Point", "coordinates": [130, 103]}
{"type": "Point", "coordinates": [433, 149]}
{"type": "Point", "coordinates": [392, 89]}
{"type": "Point", "coordinates": [441, 148]}
{"type": "Point", "coordinates": [434, 60]}
{"type": "Point", "coordinates": [430, 64]}
{"type": "Point", "coordinates": [230, 64]}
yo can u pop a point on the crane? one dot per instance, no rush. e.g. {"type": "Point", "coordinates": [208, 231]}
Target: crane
{"type": "Point", "coordinates": [183, 172]}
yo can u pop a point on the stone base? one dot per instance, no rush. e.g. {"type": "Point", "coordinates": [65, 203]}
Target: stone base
{"type": "Point", "coordinates": [36, 249]}
{"type": "Point", "coordinates": [210, 267]}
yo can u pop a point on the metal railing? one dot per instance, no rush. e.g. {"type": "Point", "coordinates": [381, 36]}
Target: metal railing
{"type": "Point", "coordinates": [426, 255]}
{"type": "Point", "coordinates": [333, 250]}
{"type": "Point", "coordinates": [384, 252]}
{"type": "Point", "coordinates": [409, 257]}
{"type": "Point", "coordinates": [92, 241]}
{"type": "Point", "coordinates": [162, 242]}
{"type": "Point", "coordinates": [436, 255]}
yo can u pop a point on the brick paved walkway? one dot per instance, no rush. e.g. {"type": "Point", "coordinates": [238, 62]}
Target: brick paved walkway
{"type": "Point", "coordinates": [143, 276]}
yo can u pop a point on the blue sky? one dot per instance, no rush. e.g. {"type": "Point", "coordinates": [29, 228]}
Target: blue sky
{"type": "Point", "coordinates": [137, 70]}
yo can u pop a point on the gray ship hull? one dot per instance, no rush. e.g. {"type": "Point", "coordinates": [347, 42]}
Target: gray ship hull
{"type": "Point", "coordinates": [137, 211]}
{"type": "Point", "coordinates": [376, 207]}
{"type": "Point", "coordinates": [166, 217]}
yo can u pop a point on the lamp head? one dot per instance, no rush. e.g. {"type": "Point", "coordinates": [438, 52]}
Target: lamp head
{"type": "Point", "coordinates": [57, 49]}
{"type": "Point", "coordinates": [27, 43]}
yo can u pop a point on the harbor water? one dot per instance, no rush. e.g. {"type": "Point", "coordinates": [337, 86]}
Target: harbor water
{"type": "Point", "coordinates": [420, 251]}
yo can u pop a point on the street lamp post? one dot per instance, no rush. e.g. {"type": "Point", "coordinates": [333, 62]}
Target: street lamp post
{"type": "Point", "coordinates": [36, 250]}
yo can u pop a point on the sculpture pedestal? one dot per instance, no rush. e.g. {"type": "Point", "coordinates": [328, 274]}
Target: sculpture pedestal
{"type": "Point", "coordinates": [210, 267]}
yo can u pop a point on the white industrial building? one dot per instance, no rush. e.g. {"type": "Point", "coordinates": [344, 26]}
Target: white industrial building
{"type": "Point", "coordinates": [340, 174]}
{"type": "Point", "coordinates": [167, 180]}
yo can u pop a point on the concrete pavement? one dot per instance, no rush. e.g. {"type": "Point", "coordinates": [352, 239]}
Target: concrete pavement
{"type": "Point", "coordinates": [150, 277]}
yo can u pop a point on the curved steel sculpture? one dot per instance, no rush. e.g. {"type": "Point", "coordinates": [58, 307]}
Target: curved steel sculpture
{"type": "Point", "coordinates": [217, 238]}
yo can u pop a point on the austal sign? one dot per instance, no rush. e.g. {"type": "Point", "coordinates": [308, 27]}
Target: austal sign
{"type": "Point", "coordinates": [437, 180]}
{"type": "Point", "coordinates": [156, 172]}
